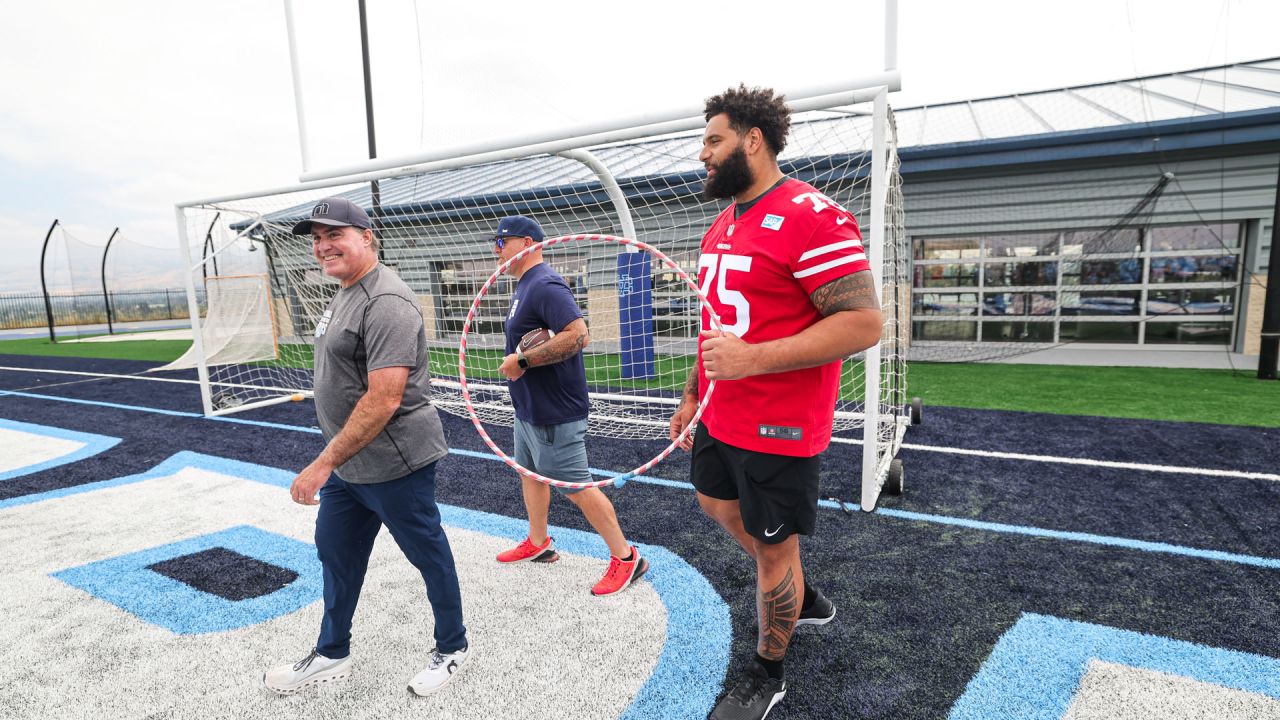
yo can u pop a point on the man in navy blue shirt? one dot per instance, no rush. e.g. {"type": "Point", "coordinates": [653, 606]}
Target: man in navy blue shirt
{"type": "Point", "coordinates": [548, 387]}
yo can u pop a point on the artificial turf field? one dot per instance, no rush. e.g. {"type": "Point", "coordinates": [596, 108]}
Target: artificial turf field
{"type": "Point", "coordinates": [1041, 565]}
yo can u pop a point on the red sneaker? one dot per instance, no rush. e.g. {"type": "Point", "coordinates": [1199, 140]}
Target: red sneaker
{"type": "Point", "coordinates": [621, 574]}
{"type": "Point", "coordinates": [528, 551]}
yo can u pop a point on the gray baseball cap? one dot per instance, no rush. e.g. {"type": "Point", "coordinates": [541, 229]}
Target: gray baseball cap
{"type": "Point", "coordinates": [334, 211]}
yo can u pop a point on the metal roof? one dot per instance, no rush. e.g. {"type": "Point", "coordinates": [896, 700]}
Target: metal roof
{"type": "Point", "coordinates": [1213, 91]}
{"type": "Point", "coordinates": [1185, 99]}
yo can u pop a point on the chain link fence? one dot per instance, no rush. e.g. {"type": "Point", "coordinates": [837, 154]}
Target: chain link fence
{"type": "Point", "coordinates": [26, 310]}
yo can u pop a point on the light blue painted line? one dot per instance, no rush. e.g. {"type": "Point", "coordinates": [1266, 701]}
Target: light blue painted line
{"type": "Point", "coordinates": [90, 445]}
{"type": "Point", "coordinates": [685, 682]}
{"type": "Point", "coordinates": [1128, 543]}
{"type": "Point", "coordinates": [1143, 545]}
{"type": "Point", "coordinates": [160, 411]}
{"type": "Point", "coordinates": [1036, 666]}
{"type": "Point", "coordinates": [99, 403]}
{"type": "Point", "coordinates": [170, 466]}
{"type": "Point", "coordinates": [695, 656]}
{"type": "Point", "coordinates": [126, 582]}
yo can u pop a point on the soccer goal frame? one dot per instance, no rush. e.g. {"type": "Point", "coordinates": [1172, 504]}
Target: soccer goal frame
{"type": "Point", "coordinates": [877, 412]}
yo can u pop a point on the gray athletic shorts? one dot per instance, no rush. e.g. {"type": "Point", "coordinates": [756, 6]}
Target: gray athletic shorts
{"type": "Point", "coordinates": [556, 451]}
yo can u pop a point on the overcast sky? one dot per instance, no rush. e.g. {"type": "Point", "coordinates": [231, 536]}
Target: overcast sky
{"type": "Point", "coordinates": [110, 113]}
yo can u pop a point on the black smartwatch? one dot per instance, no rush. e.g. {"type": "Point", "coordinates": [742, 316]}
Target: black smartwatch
{"type": "Point", "coordinates": [521, 360]}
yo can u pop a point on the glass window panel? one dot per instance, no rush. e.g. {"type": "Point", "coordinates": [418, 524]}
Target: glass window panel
{"type": "Point", "coordinates": [1102, 272]}
{"type": "Point", "coordinates": [1020, 331]}
{"type": "Point", "coordinates": [946, 248]}
{"type": "Point", "coordinates": [1109, 302]}
{"type": "Point", "coordinates": [1188, 333]}
{"type": "Point", "coordinates": [950, 275]}
{"type": "Point", "coordinates": [1009, 274]}
{"type": "Point", "coordinates": [1203, 268]}
{"type": "Point", "coordinates": [1171, 301]}
{"type": "Point", "coordinates": [1018, 303]}
{"type": "Point", "coordinates": [1022, 245]}
{"type": "Point", "coordinates": [1098, 332]}
{"type": "Point", "coordinates": [946, 304]}
{"type": "Point", "coordinates": [944, 330]}
{"type": "Point", "coordinates": [1096, 242]}
{"type": "Point", "coordinates": [1195, 237]}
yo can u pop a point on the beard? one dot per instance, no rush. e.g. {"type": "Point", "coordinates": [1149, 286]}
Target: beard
{"type": "Point", "coordinates": [733, 175]}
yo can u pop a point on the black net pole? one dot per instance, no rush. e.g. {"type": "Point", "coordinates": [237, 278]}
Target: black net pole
{"type": "Point", "coordinates": [208, 245]}
{"type": "Point", "coordinates": [106, 299]}
{"type": "Point", "coordinates": [1269, 355]}
{"type": "Point", "coordinates": [374, 190]}
{"type": "Point", "coordinates": [44, 288]}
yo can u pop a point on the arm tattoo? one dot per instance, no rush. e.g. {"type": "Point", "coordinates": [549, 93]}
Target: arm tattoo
{"type": "Point", "coordinates": [850, 292]}
{"type": "Point", "coordinates": [691, 385]}
{"type": "Point", "coordinates": [778, 611]}
{"type": "Point", "coordinates": [549, 354]}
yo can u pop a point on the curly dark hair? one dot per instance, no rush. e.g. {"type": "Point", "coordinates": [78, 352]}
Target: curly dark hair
{"type": "Point", "coordinates": [754, 107]}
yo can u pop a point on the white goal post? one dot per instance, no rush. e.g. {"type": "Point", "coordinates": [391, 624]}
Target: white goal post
{"type": "Point", "coordinates": [437, 212]}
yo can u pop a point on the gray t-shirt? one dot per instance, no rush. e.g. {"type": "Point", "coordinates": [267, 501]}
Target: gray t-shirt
{"type": "Point", "coordinates": [374, 324]}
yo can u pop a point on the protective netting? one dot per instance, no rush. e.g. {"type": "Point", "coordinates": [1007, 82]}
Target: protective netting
{"type": "Point", "coordinates": [435, 229]}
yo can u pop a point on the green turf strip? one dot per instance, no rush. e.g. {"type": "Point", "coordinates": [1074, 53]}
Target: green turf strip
{"type": "Point", "coordinates": [1177, 394]}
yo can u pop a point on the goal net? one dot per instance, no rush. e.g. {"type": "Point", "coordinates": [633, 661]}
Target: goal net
{"type": "Point", "coordinates": [239, 333]}
{"type": "Point", "coordinates": [435, 224]}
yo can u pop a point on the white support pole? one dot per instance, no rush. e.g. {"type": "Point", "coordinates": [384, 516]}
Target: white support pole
{"type": "Point", "coordinates": [297, 86]}
{"type": "Point", "coordinates": [616, 131]}
{"type": "Point", "coordinates": [875, 251]}
{"type": "Point", "coordinates": [193, 305]}
{"type": "Point", "coordinates": [891, 35]}
{"type": "Point", "coordinates": [393, 168]}
{"type": "Point", "coordinates": [611, 187]}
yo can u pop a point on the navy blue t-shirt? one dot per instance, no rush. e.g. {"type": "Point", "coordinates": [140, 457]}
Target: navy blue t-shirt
{"type": "Point", "coordinates": [548, 394]}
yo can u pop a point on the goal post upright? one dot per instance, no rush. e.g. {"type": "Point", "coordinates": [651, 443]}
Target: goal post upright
{"type": "Point", "coordinates": [193, 306]}
{"type": "Point", "coordinates": [872, 474]}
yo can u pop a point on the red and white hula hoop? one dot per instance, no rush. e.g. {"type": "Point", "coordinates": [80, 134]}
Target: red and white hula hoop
{"type": "Point", "coordinates": [620, 478]}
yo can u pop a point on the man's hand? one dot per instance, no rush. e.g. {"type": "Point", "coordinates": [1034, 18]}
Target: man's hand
{"type": "Point", "coordinates": [726, 356]}
{"type": "Point", "coordinates": [510, 367]}
{"type": "Point", "coordinates": [308, 483]}
{"type": "Point", "coordinates": [681, 419]}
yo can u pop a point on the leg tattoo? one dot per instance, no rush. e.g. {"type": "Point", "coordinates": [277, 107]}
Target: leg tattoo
{"type": "Point", "coordinates": [778, 609]}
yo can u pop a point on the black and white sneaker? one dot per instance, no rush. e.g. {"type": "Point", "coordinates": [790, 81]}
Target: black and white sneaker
{"type": "Point", "coordinates": [819, 613]}
{"type": "Point", "coordinates": [313, 669]}
{"type": "Point", "coordinates": [439, 671]}
{"type": "Point", "coordinates": [752, 698]}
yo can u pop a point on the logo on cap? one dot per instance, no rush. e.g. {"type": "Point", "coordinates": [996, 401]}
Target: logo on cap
{"type": "Point", "coordinates": [321, 209]}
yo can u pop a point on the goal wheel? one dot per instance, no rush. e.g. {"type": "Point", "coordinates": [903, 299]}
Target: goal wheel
{"type": "Point", "coordinates": [893, 483]}
{"type": "Point", "coordinates": [917, 411]}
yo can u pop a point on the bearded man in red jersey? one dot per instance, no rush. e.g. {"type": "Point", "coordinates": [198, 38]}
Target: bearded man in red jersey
{"type": "Point", "coordinates": [784, 267]}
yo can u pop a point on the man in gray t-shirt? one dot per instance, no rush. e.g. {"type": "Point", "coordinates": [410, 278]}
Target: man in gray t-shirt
{"type": "Point", "coordinates": [383, 438]}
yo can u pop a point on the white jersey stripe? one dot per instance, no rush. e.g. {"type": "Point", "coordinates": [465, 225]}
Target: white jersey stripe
{"type": "Point", "coordinates": [828, 265]}
{"type": "Point", "coordinates": [831, 248]}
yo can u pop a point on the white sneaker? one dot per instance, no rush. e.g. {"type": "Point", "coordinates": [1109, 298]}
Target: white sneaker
{"type": "Point", "coordinates": [439, 671]}
{"type": "Point", "coordinates": [310, 670]}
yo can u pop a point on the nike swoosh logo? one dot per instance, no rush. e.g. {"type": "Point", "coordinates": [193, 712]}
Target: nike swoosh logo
{"type": "Point", "coordinates": [841, 221]}
{"type": "Point", "coordinates": [775, 531]}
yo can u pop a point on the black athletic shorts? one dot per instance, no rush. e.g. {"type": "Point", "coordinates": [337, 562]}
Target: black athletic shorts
{"type": "Point", "coordinates": [777, 494]}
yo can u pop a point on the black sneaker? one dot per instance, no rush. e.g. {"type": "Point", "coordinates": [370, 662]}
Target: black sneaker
{"type": "Point", "coordinates": [753, 697]}
{"type": "Point", "coordinates": [819, 613]}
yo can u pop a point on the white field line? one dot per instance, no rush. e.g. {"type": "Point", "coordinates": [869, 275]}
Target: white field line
{"type": "Point", "coordinates": [1141, 467]}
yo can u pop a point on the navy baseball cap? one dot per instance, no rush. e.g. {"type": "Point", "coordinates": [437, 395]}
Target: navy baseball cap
{"type": "Point", "coordinates": [519, 226]}
{"type": "Point", "coordinates": [335, 211]}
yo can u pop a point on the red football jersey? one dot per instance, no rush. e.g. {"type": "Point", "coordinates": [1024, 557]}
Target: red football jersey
{"type": "Point", "coordinates": [758, 272]}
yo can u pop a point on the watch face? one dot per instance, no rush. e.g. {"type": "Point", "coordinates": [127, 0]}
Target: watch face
{"type": "Point", "coordinates": [523, 363]}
